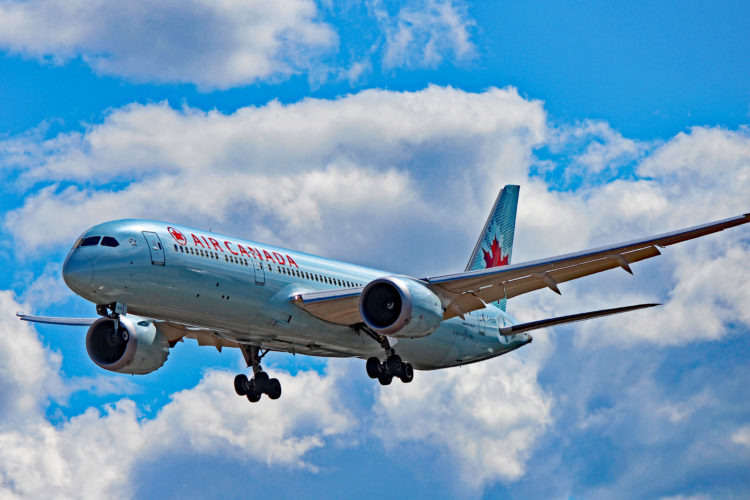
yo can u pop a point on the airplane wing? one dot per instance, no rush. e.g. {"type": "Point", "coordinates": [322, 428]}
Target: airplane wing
{"type": "Point", "coordinates": [174, 332]}
{"type": "Point", "coordinates": [572, 318]}
{"type": "Point", "coordinates": [57, 321]}
{"type": "Point", "coordinates": [465, 292]}
{"type": "Point", "coordinates": [468, 291]}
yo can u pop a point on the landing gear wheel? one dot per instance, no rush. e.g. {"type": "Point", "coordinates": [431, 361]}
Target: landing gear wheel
{"type": "Point", "coordinates": [407, 373]}
{"type": "Point", "coordinates": [385, 379]}
{"type": "Point", "coordinates": [274, 388]}
{"type": "Point", "coordinates": [241, 384]}
{"type": "Point", "coordinates": [253, 396]}
{"type": "Point", "coordinates": [261, 383]}
{"type": "Point", "coordinates": [394, 364]}
{"type": "Point", "coordinates": [373, 367]}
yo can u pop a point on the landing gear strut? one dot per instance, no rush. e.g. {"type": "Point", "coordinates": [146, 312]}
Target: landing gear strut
{"type": "Point", "coordinates": [393, 366]}
{"type": "Point", "coordinates": [260, 384]}
{"type": "Point", "coordinates": [113, 311]}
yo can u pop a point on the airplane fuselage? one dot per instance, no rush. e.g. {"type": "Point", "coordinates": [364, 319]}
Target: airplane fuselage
{"type": "Point", "coordinates": [241, 291]}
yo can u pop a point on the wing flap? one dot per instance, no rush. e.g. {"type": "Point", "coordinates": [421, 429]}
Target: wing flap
{"type": "Point", "coordinates": [335, 306]}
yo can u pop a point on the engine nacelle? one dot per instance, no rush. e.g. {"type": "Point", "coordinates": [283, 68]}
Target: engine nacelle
{"type": "Point", "coordinates": [400, 307]}
{"type": "Point", "coordinates": [136, 348]}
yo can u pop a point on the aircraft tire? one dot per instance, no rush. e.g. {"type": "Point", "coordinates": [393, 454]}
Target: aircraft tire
{"type": "Point", "coordinates": [394, 365]}
{"type": "Point", "coordinates": [274, 388]}
{"type": "Point", "coordinates": [385, 379]}
{"type": "Point", "coordinates": [240, 384]}
{"type": "Point", "coordinates": [407, 373]}
{"type": "Point", "coordinates": [252, 395]}
{"type": "Point", "coordinates": [373, 367]}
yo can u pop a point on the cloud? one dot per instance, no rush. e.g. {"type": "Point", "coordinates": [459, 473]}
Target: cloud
{"type": "Point", "coordinates": [403, 180]}
{"type": "Point", "coordinates": [424, 33]}
{"type": "Point", "coordinates": [288, 173]}
{"type": "Point", "coordinates": [98, 450]}
{"type": "Point", "coordinates": [485, 417]}
{"type": "Point", "coordinates": [495, 413]}
{"type": "Point", "coordinates": [211, 44]}
{"type": "Point", "coordinates": [307, 174]}
{"type": "Point", "coordinates": [29, 373]}
{"type": "Point", "coordinates": [742, 436]}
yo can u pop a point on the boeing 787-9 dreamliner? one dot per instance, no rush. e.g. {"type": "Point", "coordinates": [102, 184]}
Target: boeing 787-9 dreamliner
{"type": "Point", "coordinates": [156, 283]}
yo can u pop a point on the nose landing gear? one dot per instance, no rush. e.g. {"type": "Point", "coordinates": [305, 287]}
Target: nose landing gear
{"type": "Point", "coordinates": [261, 383]}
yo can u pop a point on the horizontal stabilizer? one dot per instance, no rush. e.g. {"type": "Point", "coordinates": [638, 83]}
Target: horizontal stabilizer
{"type": "Point", "coordinates": [57, 321]}
{"type": "Point", "coordinates": [544, 323]}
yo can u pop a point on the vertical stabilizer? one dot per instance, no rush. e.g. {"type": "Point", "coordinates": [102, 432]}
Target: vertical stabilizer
{"type": "Point", "coordinates": [495, 243]}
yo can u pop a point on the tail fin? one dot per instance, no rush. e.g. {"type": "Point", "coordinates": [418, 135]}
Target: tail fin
{"type": "Point", "coordinates": [496, 239]}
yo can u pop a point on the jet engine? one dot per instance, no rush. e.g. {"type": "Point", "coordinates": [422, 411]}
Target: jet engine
{"type": "Point", "coordinates": [400, 307]}
{"type": "Point", "coordinates": [136, 347]}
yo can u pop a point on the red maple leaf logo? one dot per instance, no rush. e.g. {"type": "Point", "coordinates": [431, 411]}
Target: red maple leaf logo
{"type": "Point", "coordinates": [178, 236]}
{"type": "Point", "coordinates": [496, 258]}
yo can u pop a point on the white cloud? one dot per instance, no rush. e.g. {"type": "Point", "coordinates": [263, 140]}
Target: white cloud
{"type": "Point", "coordinates": [98, 450]}
{"type": "Point", "coordinates": [485, 417]}
{"type": "Point", "coordinates": [28, 373]}
{"type": "Point", "coordinates": [742, 436]}
{"type": "Point", "coordinates": [306, 173]}
{"type": "Point", "coordinates": [423, 34]}
{"type": "Point", "coordinates": [489, 416]}
{"type": "Point", "coordinates": [212, 44]}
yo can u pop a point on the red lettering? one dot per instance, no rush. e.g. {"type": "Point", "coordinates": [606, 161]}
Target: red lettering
{"type": "Point", "coordinates": [279, 258]}
{"type": "Point", "coordinates": [256, 253]}
{"type": "Point", "coordinates": [196, 240]}
{"type": "Point", "coordinates": [268, 256]}
{"type": "Point", "coordinates": [226, 244]}
{"type": "Point", "coordinates": [216, 244]}
{"type": "Point", "coordinates": [291, 261]}
{"type": "Point", "coordinates": [243, 251]}
{"type": "Point", "coordinates": [204, 239]}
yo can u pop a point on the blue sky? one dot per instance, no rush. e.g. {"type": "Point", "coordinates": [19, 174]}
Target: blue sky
{"type": "Point", "coordinates": [380, 132]}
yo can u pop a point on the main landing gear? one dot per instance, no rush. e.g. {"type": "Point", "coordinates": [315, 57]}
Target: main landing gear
{"type": "Point", "coordinates": [260, 384]}
{"type": "Point", "coordinates": [393, 366]}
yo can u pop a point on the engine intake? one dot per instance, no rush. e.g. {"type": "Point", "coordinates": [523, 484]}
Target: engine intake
{"type": "Point", "coordinates": [136, 347]}
{"type": "Point", "coordinates": [400, 307]}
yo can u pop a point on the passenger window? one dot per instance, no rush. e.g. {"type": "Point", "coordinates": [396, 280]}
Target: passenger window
{"type": "Point", "coordinates": [109, 241]}
{"type": "Point", "coordinates": [90, 241]}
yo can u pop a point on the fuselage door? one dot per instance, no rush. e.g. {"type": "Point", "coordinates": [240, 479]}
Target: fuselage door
{"type": "Point", "coordinates": [155, 247]}
{"type": "Point", "coordinates": [260, 273]}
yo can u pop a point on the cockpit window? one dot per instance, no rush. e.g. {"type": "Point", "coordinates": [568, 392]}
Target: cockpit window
{"type": "Point", "coordinates": [109, 241]}
{"type": "Point", "coordinates": [90, 241]}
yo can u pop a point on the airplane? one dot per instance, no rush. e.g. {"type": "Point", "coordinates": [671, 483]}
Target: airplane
{"type": "Point", "coordinates": [156, 283]}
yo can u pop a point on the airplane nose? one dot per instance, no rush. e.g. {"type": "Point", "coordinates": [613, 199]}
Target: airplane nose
{"type": "Point", "coordinates": [78, 271]}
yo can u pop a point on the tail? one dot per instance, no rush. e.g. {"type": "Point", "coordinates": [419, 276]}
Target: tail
{"type": "Point", "coordinates": [496, 239]}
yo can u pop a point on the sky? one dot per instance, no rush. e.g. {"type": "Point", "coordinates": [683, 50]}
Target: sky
{"type": "Point", "coordinates": [380, 133]}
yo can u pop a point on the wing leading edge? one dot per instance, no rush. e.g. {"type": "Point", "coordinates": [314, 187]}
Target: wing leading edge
{"type": "Point", "coordinates": [472, 290]}
{"type": "Point", "coordinates": [465, 292]}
